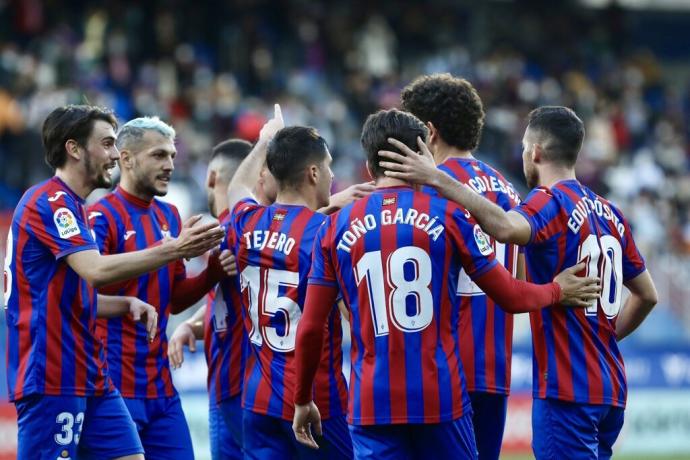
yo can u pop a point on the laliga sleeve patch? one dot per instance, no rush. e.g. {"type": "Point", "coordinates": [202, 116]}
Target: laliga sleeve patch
{"type": "Point", "coordinates": [482, 241]}
{"type": "Point", "coordinates": [66, 223]}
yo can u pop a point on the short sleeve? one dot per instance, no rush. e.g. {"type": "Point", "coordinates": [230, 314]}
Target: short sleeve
{"type": "Point", "coordinates": [472, 245]}
{"type": "Point", "coordinates": [59, 222]}
{"type": "Point", "coordinates": [230, 238]}
{"type": "Point", "coordinates": [322, 271]}
{"type": "Point", "coordinates": [633, 262]}
{"type": "Point", "coordinates": [103, 229]}
{"type": "Point", "coordinates": [239, 214]}
{"type": "Point", "coordinates": [540, 209]}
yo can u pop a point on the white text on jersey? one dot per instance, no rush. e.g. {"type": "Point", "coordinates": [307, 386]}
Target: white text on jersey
{"type": "Point", "coordinates": [586, 206]}
{"type": "Point", "coordinates": [260, 239]}
{"type": "Point", "coordinates": [483, 184]}
{"type": "Point", "coordinates": [420, 220]}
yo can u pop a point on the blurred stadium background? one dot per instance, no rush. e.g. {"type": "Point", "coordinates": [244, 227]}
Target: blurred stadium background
{"type": "Point", "coordinates": [213, 70]}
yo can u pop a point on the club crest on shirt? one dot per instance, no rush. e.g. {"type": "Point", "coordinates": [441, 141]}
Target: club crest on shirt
{"type": "Point", "coordinates": [66, 223]}
{"type": "Point", "coordinates": [482, 241]}
{"type": "Point", "coordinates": [165, 231]}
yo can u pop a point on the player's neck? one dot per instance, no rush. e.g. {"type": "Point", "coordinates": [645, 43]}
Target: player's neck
{"type": "Point", "coordinates": [443, 151]}
{"type": "Point", "coordinates": [296, 198]}
{"type": "Point", "coordinates": [130, 187]}
{"type": "Point", "coordinates": [550, 175]}
{"type": "Point", "coordinates": [387, 182]}
{"type": "Point", "coordinates": [76, 181]}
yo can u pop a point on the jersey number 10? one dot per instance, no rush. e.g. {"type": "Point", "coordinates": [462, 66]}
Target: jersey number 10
{"type": "Point", "coordinates": [609, 270]}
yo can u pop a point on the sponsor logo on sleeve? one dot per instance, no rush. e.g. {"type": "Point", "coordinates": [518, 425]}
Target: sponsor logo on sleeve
{"type": "Point", "coordinates": [482, 241]}
{"type": "Point", "coordinates": [66, 223]}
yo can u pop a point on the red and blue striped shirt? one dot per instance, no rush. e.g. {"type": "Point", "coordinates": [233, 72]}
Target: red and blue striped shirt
{"type": "Point", "coordinates": [575, 353]}
{"type": "Point", "coordinates": [395, 256]}
{"type": "Point", "coordinates": [225, 342]}
{"type": "Point", "coordinates": [52, 347]}
{"type": "Point", "coordinates": [273, 246]}
{"type": "Point", "coordinates": [124, 223]}
{"type": "Point", "coordinates": [486, 331]}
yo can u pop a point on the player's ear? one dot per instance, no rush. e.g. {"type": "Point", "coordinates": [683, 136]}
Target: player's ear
{"type": "Point", "coordinates": [211, 179]}
{"type": "Point", "coordinates": [126, 159]}
{"type": "Point", "coordinates": [537, 153]}
{"type": "Point", "coordinates": [313, 172]}
{"type": "Point", "coordinates": [72, 149]}
{"type": "Point", "coordinates": [433, 133]}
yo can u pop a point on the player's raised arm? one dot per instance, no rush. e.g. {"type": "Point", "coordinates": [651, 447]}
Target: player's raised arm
{"type": "Point", "coordinates": [247, 173]}
{"type": "Point", "coordinates": [506, 227]}
{"type": "Point", "coordinates": [99, 270]}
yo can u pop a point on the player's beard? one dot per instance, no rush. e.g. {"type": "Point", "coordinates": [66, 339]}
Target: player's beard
{"type": "Point", "coordinates": [212, 203]}
{"type": "Point", "coordinates": [146, 184]}
{"type": "Point", "coordinates": [531, 176]}
{"type": "Point", "coordinates": [99, 176]}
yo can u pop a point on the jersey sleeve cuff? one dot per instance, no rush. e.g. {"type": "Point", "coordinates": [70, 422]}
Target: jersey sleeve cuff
{"type": "Point", "coordinates": [74, 249]}
{"type": "Point", "coordinates": [323, 282]}
{"type": "Point", "coordinates": [477, 273]}
{"type": "Point", "coordinates": [530, 220]}
{"type": "Point", "coordinates": [634, 273]}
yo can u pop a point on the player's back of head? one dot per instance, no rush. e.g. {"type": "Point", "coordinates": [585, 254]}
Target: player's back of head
{"type": "Point", "coordinates": [70, 122]}
{"type": "Point", "coordinates": [291, 152]}
{"type": "Point", "coordinates": [385, 124]}
{"type": "Point", "coordinates": [559, 131]}
{"type": "Point", "coordinates": [451, 104]}
{"type": "Point", "coordinates": [226, 157]}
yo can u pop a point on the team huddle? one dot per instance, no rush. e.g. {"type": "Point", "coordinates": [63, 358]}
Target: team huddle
{"type": "Point", "coordinates": [427, 263]}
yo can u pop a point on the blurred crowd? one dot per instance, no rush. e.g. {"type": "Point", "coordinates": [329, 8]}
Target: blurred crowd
{"type": "Point", "coordinates": [213, 71]}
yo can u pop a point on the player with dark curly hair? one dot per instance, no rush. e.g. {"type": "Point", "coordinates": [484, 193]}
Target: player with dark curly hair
{"type": "Point", "coordinates": [454, 114]}
{"type": "Point", "coordinates": [449, 106]}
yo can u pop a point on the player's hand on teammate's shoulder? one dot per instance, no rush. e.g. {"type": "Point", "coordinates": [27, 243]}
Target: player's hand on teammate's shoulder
{"type": "Point", "coordinates": [415, 167]}
{"type": "Point", "coordinates": [353, 192]}
{"type": "Point", "coordinates": [147, 314]}
{"type": "Point", "coordinates": [307, 416]}
{"type": "Point", "coordinates": [195, 239]}
{"type": "Point", "coordinates": [577, 291]}
{"type": "Point", "coordinates": [183, 335]}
